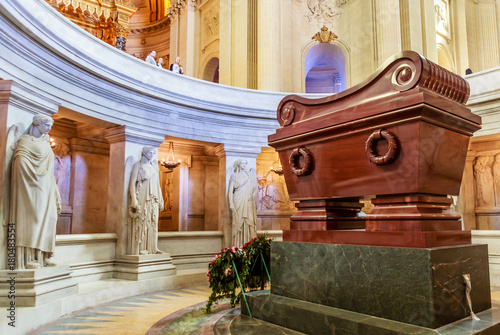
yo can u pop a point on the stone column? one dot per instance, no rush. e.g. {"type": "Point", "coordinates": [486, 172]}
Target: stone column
{"type": "Point", "coordinates": [466, 205]}
{"type": "Point", "coordinates": [238, 42]}
{"type": "Point", "coordinates": [388, 29]}
{"type": "Point", "coordinates": [268, 68]}
{"type": "Point", "coordinates": [18, 105]}
{"type": "Point", "coordinates": [460, 32]}
{"type": "Point", "coordinates": [125, 150]}
{"type": "Point", "coordinates": [174, 35]}
{"type": "Point", "coordinates": [180, 206]}
{"type": "Point", "coordinates": [228, 154]}
{"type": "Point", "coordinates": [411, 26]}
{"type": "Point", "coordinates": [124, 12]}
{"type": "Point", "coordinates": [191, 37]}
{"type": "Point", "coordinates": [488, 34]}
{"type": "Point", "coordinates": [225, 57]}
{"type": "Point", "coordinates": [429, 30]}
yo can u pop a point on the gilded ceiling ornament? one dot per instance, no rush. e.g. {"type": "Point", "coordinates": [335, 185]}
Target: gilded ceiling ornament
{"type": "Point", "coordinates": [109, 19]}
{"type": "Point", "coordinates": [324, 36]}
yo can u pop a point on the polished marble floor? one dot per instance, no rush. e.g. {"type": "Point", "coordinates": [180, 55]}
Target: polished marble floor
{"type": "Point", "coordinates": [171, 312]}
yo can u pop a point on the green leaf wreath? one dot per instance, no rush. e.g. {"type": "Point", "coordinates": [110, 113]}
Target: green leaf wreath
{"type": "Point", "coordinates": [258, 249]}
{"type": "Point", "coordinates": [251, 271]}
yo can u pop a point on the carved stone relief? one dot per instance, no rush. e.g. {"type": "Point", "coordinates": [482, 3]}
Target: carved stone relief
{"type": "Point", "coordinates": [324, 11]}
{"type": "Point", "coordinates": [210, 25]}
{"type": "Point", "coordinates": [167, 183]}
{"type": "Point", "coordinates": [272, 193]}
{"type": "Point", "coordinates": [483, 175]}
{"type": "Point", "coordinates": [62, 170]}
{"type": "Point", "coordinates": [441, 11]}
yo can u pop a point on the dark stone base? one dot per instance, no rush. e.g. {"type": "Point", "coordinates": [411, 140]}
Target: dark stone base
{"type": "Point", "coordinates": [422, 287]}
{"type": "Point", "coordinates": [309, 318]}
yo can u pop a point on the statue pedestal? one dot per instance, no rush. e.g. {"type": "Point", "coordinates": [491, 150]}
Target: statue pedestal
{"type": "Point", "coordinates": [420, 287]}
{"type": "Point", "coordinates": [140, 267]}
{"type": "Point", "coordinates": [34, 287]}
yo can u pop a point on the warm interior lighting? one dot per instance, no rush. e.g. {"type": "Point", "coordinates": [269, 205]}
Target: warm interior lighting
{"type": "Point", "coordinates": [170, 163]}
{"type": "Point", "coordinates": [52, 142]}
{"type": "Point", "coordinates": [278, 171]}
{"type": "Point", "coordinates": [167, 6]}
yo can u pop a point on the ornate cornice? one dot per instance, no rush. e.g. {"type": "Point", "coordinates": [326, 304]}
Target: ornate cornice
{"type": "Point", "coordinates": [158, 25]}
{"type": "Point", "coordinates": [177, 6]}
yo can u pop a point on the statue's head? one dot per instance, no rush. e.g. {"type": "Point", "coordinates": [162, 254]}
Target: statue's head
{"type": "Point", "coordinates": [43, 123]}
{"type": "Point", "coordinates": [240, 164]}
{"type": "Point", "coordinates": [148, 152]}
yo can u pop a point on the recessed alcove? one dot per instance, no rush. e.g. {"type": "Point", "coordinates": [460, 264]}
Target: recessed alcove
{"type": "Point", "coordinates": [81, 171]}
{"type": "Point", "coordinates": [325, 69]}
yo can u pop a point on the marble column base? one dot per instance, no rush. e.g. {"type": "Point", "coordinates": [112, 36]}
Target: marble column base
{"type": "Point", "coordinates": [310, 318]}
{"type": "Point", "coordinates": [140, 267]}
{"type": "Point", "coordinates": [34, 287]}
{"type": "Point", "coordinates": [423, 287]}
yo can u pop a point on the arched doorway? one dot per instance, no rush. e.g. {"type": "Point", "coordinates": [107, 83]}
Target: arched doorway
{"type": "Point", "coordinates": [211, 72]}
{"type": "Point", "coordinates": [444, 59]}
{"type": "Point", "coordinates": [325, 69]}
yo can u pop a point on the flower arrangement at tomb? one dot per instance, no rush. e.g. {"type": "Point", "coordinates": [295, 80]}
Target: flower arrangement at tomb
{"type": "Point", "coordinates": [234, 270]}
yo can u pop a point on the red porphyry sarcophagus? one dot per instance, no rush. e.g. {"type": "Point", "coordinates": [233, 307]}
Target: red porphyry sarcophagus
{"type": "Point", "coordinates": [400, 137]}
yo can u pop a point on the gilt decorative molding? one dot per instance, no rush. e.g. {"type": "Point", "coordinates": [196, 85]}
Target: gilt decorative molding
{"type": "Point", "coordinates": [324, 36]}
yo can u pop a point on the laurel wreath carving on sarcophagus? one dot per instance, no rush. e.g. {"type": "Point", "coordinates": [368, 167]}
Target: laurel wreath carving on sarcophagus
{"type": "Point", "coordinates": [294, 159]}
{"type": "Point", "coordinates": [371, 143]}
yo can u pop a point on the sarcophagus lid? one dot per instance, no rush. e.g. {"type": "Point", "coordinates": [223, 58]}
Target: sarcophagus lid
{"type": "Point", "coordinates": [404, 130]}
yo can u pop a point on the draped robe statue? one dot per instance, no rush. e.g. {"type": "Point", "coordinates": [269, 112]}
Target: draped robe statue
{"type": "Point", "coordinates": [35, 201]}
{"type": "Point", "coordinates": [241, 195]}
{"type": "Point", "coordinates": [146, 202]}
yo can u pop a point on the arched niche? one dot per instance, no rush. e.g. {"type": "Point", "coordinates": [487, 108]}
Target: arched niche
{"type": "Point", "coordinates": [325, 69]}
{"type": "Point", "coordinates": [211, 71]}
{"type": "Point", "coordinates": [444, 58]}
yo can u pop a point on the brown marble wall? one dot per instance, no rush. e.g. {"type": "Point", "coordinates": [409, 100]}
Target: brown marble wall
{"type": "Point", "coordinates": [81, 171]}
{"type": "Point", "coordinates": [90, 187]}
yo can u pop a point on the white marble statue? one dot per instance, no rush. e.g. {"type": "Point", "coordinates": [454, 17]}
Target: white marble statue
{"type": "Point", "coordinates": [146, 202]}
{"type": "Point", "coordinates": [35, 201]}
{"type": "Point", "coordinates": [241, 196]}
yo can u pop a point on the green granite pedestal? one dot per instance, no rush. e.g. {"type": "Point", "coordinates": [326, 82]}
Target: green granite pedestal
{"type": "Point", "coordinates": [422, 288]}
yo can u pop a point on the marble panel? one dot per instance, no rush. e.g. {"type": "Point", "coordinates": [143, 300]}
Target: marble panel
{"type": "Point", "coordinates": [417, 286]}
{"type": "Point", "coordinates": [310, 318]}
{"type": "Point", "coordinates": [28, 288]}
{"type": "Point", "coordinates": [90, 256]}
{"type": "Point", "coordinates": [141, 267]}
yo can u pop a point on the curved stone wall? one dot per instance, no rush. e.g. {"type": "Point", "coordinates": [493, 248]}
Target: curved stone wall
{"type": "Point", "coordinates": [46, 53]}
